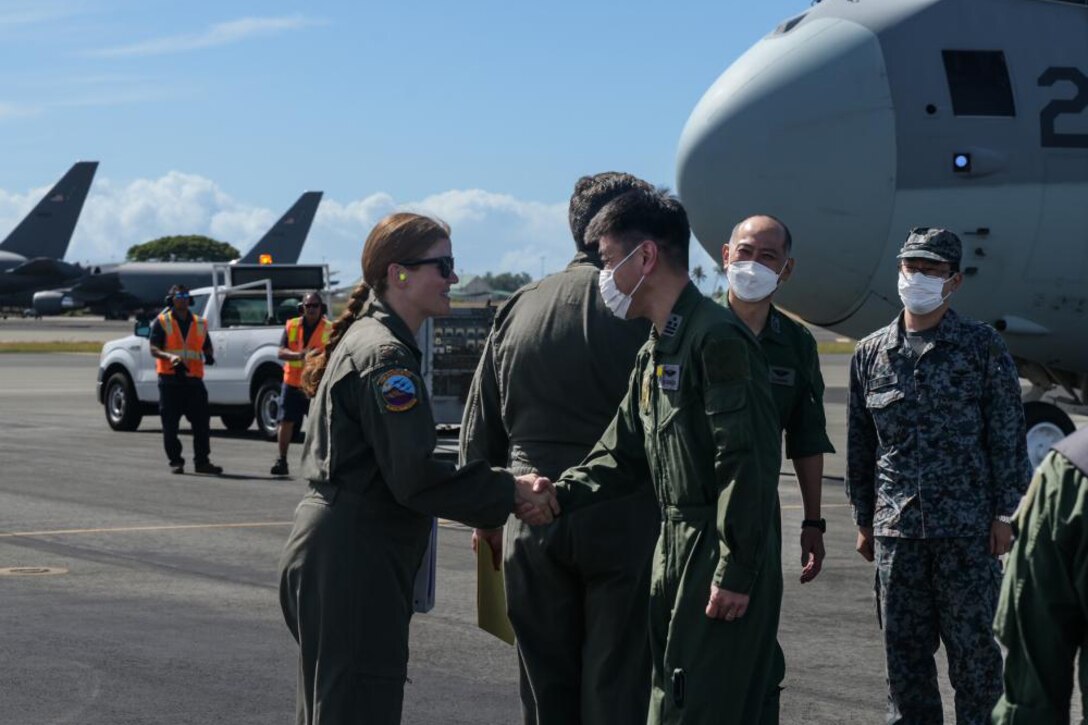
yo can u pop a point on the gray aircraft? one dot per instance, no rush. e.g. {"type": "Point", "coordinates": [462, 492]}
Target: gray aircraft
{"type": "Point", "coordinates": [857, 120]}
{"type": "Point", "coordinates": [116, 291]}
{"type": "Point", "coordinates": [30, 256]}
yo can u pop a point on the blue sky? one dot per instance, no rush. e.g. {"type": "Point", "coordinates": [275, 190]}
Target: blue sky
{"type": "Point", "coordinates": [213, 117]}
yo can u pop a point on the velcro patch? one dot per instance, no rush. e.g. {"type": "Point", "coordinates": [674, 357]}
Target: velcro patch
{"type": "Point", "coordinates": [397, 390]}
{"type": "Point", "coordinates": [783, 376]}
{"type": "Point", "coordinates": [726, 361]}
{"type": "Point", "coordinates": [668, 377]}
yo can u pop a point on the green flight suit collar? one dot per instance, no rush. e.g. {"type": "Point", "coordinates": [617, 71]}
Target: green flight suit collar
{"type": "Point", "coordinates": [586, 257]}
{"type": "Point", "coordinates": [668, 341]}
{"type": "Point", "coordinates": [384, 314]}
{"type": "Point", "coordinates": [773, 329]}
{"type": "Point", "coordinates": [949, 330]}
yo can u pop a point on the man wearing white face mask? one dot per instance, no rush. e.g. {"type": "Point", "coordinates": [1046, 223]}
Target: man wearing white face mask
{"type": "Point", "coordinates": [936, 464]}
{"type": "Point", "coordinates": [757, 261]}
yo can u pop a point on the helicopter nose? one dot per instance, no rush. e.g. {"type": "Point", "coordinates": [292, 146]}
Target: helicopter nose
{"type": "Point", "coordinates": [801, 127]}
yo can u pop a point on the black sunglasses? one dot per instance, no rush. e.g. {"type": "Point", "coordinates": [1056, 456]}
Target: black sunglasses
{"type": "Point", "coordinates": [445, 264]}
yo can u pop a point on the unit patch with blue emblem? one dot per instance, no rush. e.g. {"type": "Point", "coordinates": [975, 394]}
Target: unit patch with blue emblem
{"type": "Point", "coordinates": [397, 389]}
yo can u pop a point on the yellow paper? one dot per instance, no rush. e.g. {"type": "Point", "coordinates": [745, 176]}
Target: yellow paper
{"type": "Point", "coordinates": [491, 596]}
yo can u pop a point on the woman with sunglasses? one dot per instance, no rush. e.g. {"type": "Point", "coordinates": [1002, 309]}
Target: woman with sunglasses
{"type": "Point", "coordinates": [360, 532]}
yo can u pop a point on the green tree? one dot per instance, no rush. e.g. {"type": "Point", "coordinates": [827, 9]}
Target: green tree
{"type": "Point", "coordinates": [507, 282]}
{"type": "Point", "coordinates": [698, 275]}
{"type": "Point", "coordinates": [188, 248]}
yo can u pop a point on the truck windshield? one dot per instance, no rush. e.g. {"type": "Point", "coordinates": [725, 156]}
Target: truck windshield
{"type": "Point", "coordinates": [252, 311]}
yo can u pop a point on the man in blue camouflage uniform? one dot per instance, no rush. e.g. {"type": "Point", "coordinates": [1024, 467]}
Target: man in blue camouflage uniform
{"type": "Point", "coordinates": [936, 464]}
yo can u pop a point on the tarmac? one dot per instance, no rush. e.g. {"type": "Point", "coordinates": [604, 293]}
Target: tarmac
{"type": "Point", "coordinates": [144, 597]}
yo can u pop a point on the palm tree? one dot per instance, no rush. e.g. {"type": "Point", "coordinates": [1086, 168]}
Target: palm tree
{"type": "Point", "coordinates": [698, 275]}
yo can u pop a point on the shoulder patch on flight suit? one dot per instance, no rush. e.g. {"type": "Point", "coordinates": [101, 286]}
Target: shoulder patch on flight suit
{"type": "Point", "coordinates": [783, 376]}
{"type": "Point", "coordinates": [389, 353]}
{"type": "Point", "coordinates": [672, 325]}
{"type": "Point", "coordinates": [668, 377]}
{"type": "Point", "coordinates": [397, 390]}
{"type": "Point", "coordinates": [725, 361]}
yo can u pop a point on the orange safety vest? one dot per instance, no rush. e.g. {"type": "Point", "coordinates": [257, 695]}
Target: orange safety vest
{"type": "Point", "coordinates": [292, 369]}
{"type": "Point", "coordinates": [190, 349]}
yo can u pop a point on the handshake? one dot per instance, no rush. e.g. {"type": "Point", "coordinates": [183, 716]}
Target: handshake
{"type": "Point", "coordinates": [534, 499]}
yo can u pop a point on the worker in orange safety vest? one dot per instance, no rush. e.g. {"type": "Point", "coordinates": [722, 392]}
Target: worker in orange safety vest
{"type": "Point", "coordinates": [309, 331]}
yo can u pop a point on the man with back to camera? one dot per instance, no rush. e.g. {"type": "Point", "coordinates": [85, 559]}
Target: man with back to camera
{"type": "Point", "coordinates": [577, 589]}
{"type": "Point", "coordinates": [936, 464]}
{"type": "Point", "coordinates": [309, 331]}
{"type": "Point", "coordinates": [181, 347]}
{"type": "Point", "coordinates": [699, 424]}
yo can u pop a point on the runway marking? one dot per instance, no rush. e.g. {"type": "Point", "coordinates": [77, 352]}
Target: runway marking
{"type": "Point", "coordinates": [167, 527]}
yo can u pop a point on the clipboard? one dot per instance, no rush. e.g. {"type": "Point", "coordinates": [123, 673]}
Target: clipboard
{"type": "Point", "coordinates": [491, 596]}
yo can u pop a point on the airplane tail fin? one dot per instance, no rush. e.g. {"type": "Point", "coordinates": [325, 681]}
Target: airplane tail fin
{"type": "Point", "coordinates": [47, 229]}
{"type": "Point", "coordinates": [283, 242]}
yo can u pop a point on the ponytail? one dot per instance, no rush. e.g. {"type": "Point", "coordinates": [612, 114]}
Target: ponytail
{"type": "Point", "coordinates": [317, 361]}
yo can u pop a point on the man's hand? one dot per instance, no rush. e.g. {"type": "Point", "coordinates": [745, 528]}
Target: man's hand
{"type": "Point", "coordinates": [812, 553]}
{"type": "Point", "coordinates": [865, 542]}
{"type": "Point", "coordinates": [493, 537]}
{"type": "Point", "coordinates": [1000, 538]}
{"type": "Point", "coordinates": [534, 499]}
{"type": "Point", "coordinates": [726, 605]}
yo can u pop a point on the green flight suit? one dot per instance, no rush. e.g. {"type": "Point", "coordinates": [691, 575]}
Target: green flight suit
{"type": "Point", "coordinates": [360, 532]}
{"type": "Point", "coordinates": [797, 386]}
{"type": "Point", "coordinates": [553, 371]}
{"type": "Point", "coordinates": [699, 421]}
{"type": "Point", "coordinates": [1042, 616]}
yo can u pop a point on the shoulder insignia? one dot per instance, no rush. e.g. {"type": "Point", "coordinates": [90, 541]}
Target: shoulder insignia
{"type": "Point", "coordinates": [397, 388]}
{"type": "Point", "coordinates": [668, 377]}
{"type": "Point", "coordinates": [726, 360]}
{"type": "Point", "coordinates": [389, 353]}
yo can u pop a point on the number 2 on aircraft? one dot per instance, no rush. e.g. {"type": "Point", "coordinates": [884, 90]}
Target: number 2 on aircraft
{"type": "Point", "coordinates": [1063, 106]}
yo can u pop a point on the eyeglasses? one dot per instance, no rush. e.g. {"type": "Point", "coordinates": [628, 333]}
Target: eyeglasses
{"type": "Point", "coordinates": [445, 264]}
{"type": "Point", "coordinates": [181, 295]}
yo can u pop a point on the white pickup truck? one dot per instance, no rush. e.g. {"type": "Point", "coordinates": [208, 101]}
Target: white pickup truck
{"type": "Point", "coordinates": [246, 307]}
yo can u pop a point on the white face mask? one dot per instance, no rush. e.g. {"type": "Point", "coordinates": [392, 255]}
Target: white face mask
{"type": "Point", "coordinates": [921, 294]}
{"type": "Point", "coordinates": [615, 300]}
{"type": "Point", "coordinates": [751, 281]}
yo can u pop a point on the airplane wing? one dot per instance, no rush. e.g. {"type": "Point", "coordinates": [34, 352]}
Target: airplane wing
{"type": "Point", "coordinates": [283, 242]}
{"type": "Point", "coordinates": [47, 268]}
{"type": "Point", "coordinates": [47, 229]}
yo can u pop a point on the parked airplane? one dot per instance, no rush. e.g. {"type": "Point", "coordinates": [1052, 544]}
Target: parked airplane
{"type": "Point", "coordinates": [30, 256]}
{"type": "Point", "coordinates": [855, 121]}
{"type": "Point", "coordinates": [116, 291]}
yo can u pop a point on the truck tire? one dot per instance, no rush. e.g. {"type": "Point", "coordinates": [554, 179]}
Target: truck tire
{"type": "Point", "coordinates": [1046, 424]}
{"type": "Point", "coordinates": [122, 407]}
{"type": "Point", "coordinates": [239, 421]}
{"type": "Point", "coordinates": [266, 407]}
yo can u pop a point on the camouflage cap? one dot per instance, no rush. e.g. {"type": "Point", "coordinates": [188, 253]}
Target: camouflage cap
{"type": "Point", "coordinates": [937, 244]}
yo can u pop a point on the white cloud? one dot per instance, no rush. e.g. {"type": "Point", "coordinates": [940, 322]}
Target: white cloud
{"type": "Point", "coordinates": [31, 12]}
{"type": "Point", "coordinates": [233, 31]}
{"type": "Point", "coordinates": [13, 110]}
{"type": "Point", "coordinates": [491, 232]}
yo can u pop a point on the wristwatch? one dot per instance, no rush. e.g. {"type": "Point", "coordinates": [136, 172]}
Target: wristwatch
{"type": "Point", "coordinates": [1004, 519]}
{"type": "Point", "coordinates": [820, 524]}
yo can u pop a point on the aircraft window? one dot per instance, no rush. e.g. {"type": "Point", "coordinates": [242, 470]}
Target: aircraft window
{"type": "Point", "coordinates": [978, 81]}
{"type": "Point", "coordinates": [789, 25]}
